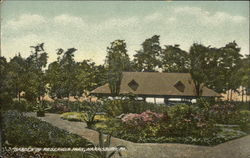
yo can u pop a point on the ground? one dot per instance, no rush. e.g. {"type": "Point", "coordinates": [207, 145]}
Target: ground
{"type": "Point", "coordinates": [238, 148]}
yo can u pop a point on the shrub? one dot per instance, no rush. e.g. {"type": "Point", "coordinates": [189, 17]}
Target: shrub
{"type": "Point", "coordinates": [182, 123]}
{"type": "Point", "coordinates": [244, 120]}
{"type": "Point", "coordinates": [31, 131]}
{"type": "Point", "coordinates": [117, 107]}
{"type": "Point", "coordinates": [105, 143]}
{"type": "Point", "coordinates": [178, 121]}
{"type": "Point", "coordinates": [59, 107]}
{"type": "Point", "coordinates": [72, 116]}
{"type": "Point", "coordinates": [78, 116]}
{"type": "Point", "coordinates": [90, 110]}
{"type": "Point", "coordinates": [22, 105]}
{"type": "Point", "coordinates": [141, 119]}
{"type": "Point", "coordinates": [229, 114]}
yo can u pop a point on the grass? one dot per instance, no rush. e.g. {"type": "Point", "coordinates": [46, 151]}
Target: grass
{"type": "Point", "coordinates": [79, 116]}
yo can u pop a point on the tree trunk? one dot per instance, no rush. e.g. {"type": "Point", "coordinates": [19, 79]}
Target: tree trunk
{"type": "Point", "coordinates": [19, 97]}
{"type": "Point", "coordinates": [197, 88]}
{"type": "Point", "coordinates": [231, 92]}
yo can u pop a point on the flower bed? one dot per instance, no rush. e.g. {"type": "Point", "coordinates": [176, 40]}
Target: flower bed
{"type": "Point", "coordinates": [179, 124]}
{"type": "Point", "coordinates": [78, 116]}
{"type": "Point", "coordinates": [24, 131]}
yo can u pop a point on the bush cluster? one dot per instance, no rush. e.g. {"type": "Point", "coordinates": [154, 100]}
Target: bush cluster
{"type": "Point", "coordinates": [192, 124]}
{"type": "Point", "coordinates": [183, 122]}
{"type": "Point", "coordinates": [36, 133]}
{"type": "Point", "coordinates": [117, 107]}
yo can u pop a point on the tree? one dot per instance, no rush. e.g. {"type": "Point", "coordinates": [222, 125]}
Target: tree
{"type": "Point", "coordinates": [89, 76]}
{"type": "Point", "coordinates": [55, 80]}
{"type": "Point", "coordinates": [16, 74]}
{"type": "Point", "coordinates": [215, 68]}
{"type": "Point", "coordinates": [5, 97]}
{"type": "Point", "coordinates": [173, 59]}
{"type": "Point", "coordinates": [147, 59]}
{"type": "Point", "coordinates": [244, 75]}
{"type": "Point", "coordinates": [231, 61]}
{"type": "Point", "coordinates": [198, 56]}
{"type": "Point", "coordinates": [117, 60]}
{"type": "Point", "coordinates": [35, 85]}
{"type": "Point", "coordinates": [61, 74]}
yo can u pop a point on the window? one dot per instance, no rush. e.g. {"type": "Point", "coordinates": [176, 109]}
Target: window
{"type": "Point", "coordinates": [133, 85]}
{"type": "Point", "coordinates": [180, 86]}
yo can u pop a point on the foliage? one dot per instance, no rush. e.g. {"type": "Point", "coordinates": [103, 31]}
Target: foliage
{"type": "Point", "coordinates": [5, 97]}
{"type": "Point", "coordinates": [41, 108]}
{"type": "Point", "coordinates": [215, 67]}
{"type": "Point", "coordinates": [35, 82]}
{"type": "Point", "coordinates": [196, 124]}
{"type": "Point", "coordinates": [147, 59]}
{"type": "Point", "coordinates": [141, 119]}
{"type": "Point", "coordinates": [79, 116]}
{"type": "Point", "coordinates": [16, 75]}
{"type": "Point", "coordinates": [105, 144]}
{"type": "Point", "coordinates": [72, 116]}
{"type": "Point", "coordinates": [66, 77]}
{"type": "Point", "coordinates": [36, 133]}
{"type": "Point", "coordinates": [5, 90]}
{"type": "Point", "coordinates": [89, 111]}
{"type": "Point", "coordinates": [117, 107]}
{"type": "Point", "coordinates": [22, 105]}
{"type": "Point", "coordinates": [173, 59]}
{"type": "Point", "coordinates": [117, 60]}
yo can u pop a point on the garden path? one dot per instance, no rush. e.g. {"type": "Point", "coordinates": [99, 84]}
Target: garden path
{"type": "Point", "coordinates": [239, 148]}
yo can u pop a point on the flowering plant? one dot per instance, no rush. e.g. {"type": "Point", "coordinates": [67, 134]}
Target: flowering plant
{"type": "Point", "coordinates": [143, 118]}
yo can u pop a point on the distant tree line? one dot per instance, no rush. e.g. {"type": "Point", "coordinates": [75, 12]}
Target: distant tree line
{"type": "Point", "coordinates": [220, 69]}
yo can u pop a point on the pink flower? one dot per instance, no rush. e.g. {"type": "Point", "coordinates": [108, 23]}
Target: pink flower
{"type": "Point", "coordinates": [141, 119]}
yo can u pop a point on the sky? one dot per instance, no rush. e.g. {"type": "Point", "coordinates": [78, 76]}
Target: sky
{"type": "Point", "coordinates": [91, 26]}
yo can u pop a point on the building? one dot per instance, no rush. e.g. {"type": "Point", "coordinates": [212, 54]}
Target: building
{"type": "Point", "coordinates": [157, 85]}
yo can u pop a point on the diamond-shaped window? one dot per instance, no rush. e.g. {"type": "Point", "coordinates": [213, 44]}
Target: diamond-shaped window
{"type": "Point", "coordinates": [133, 85]}
{"type": "Point", "coordinates": [180, 86]}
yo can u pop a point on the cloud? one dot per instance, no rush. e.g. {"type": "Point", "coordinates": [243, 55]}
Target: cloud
{"type": "Point", "coordinates": [66, 19]}
{"type": "Point", "coordinates": [180, 25]}
{"type": "Point", "coordinates": [222, 17]}
{"type": "Point", "coordinates": [26, 21]}
{"type": "Point", "coordinates": [117, 23]}
{"type": "Point", "coordinates": [207, 18]}
{"type": "Point", "coordinates": [153, 17]}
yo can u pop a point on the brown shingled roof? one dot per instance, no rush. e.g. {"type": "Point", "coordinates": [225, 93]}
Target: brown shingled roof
{"type": "Point", "coordinates": [156, 84]}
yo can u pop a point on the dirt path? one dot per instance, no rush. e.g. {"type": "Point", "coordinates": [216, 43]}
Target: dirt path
{"type": "Point", "coordinates": [239, 148]}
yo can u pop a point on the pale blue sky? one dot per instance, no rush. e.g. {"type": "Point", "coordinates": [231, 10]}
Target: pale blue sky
{"type": "Point", "coordinates": [91, 26]}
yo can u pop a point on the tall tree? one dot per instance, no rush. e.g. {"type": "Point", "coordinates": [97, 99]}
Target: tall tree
{"type": "Point", "coordinates": [5, 97]}
{"type": "Point", "coordinates": [89, 76]}
{"type": "Point", "coordinates": [62, 73]}
{"type": "Point", "coordinates": [35, 78]}
{"type": "Point", "coordinates": [55, 80]}
{"type": "Point", "coordinates": [231, 61]}
{"type": "Point", "coordinates": [16, 73]}
{"type": "Point", "coordinates": [147, 59]}
{"type": "Point", "coordinates": [117, 60]}
{"type": "Point", "coordinates": [173, 59]}
{"type": "Point", "coordinates": [215, 67]}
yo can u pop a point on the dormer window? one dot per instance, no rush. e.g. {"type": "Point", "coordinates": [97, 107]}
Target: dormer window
{"type": "Point", "coordinates": [179, 86]}
{"type": "Point", "coordinates": [133, 85]}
